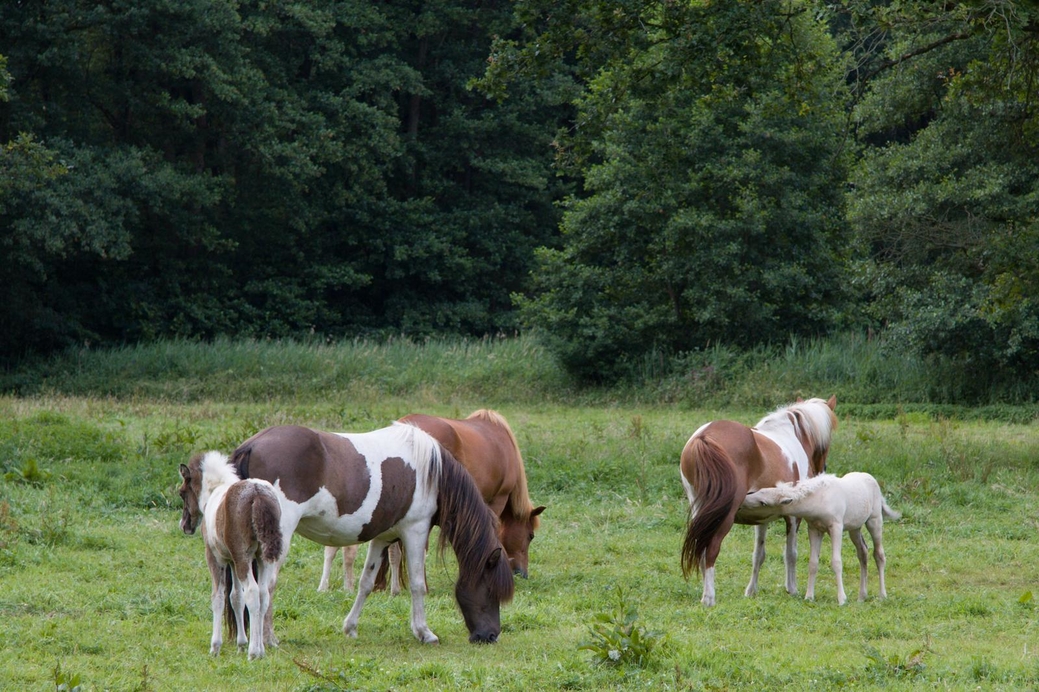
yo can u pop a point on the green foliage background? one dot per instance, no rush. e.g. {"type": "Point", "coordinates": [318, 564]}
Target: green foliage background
{"type": "Point", "coordinates": [632, 180]}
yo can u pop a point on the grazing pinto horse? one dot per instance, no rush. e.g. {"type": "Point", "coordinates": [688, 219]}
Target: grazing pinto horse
{"type": "Point", "coordinates": [393, 483]}
{"type": "Point", "coordinates": [241, 528]}
{"type": "Point", "coordinates": [487, 448]}
{"type": "Point", "coordinates": [724, 460]}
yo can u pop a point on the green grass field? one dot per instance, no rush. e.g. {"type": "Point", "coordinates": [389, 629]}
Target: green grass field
{"type": "Point", "coordinates": [98, 581]}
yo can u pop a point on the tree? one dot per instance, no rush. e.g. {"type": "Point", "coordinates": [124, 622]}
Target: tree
{"type": "Point", "coordinates": [945, 195]}
{"type": "Point", "coordinates": [710, 142]}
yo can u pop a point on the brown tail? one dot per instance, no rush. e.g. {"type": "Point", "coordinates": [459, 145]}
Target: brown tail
{"type": "Point", "coordinates": [714, 484]}
{"type": "Point", "coordinates": [267, 525]}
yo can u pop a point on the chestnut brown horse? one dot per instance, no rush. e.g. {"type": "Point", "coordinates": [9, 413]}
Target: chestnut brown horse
{"type": "Point", "coordinates": [487, 447]}
{"type": "Point", "coordinates": [390, 484]}
{"type": "Point", "coordinates": [724, 460]}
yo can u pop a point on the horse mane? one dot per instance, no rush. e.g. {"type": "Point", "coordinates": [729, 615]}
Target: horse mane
{"type": "Point", "coordinates": [812, 419]}
{"type": "Point", "coordinates": [519, 498]}
{"type": "Point", "coordinates": [216, 471]}
{"type": "Point", "coordinates": [469, 525]}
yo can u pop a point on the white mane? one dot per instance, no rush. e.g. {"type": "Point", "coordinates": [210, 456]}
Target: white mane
{"type": "Point", "coordinates": [812, 418]}
{"type": "Point", "coordinates": [216, 472]}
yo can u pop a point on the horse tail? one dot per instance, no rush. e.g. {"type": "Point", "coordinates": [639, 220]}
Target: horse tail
{"type": "Point", "coordinates": [888, 512]}
{"type": "Point", "coordinates": [519, 498]}
{"type": "Point", "coordinates": [266, 518]}
{"type": "Point", "coordinates": [714, 484]}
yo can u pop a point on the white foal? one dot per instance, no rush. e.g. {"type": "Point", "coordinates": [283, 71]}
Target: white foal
{"type": "Point", "coordinates": [831, 505]}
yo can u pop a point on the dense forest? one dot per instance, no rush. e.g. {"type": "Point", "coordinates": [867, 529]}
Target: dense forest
{"type": "Point", "coordinates": [624, 177]}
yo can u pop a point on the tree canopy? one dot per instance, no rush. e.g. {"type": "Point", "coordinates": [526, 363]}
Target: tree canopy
{"type": "Point", "coordinates": [626, 177]}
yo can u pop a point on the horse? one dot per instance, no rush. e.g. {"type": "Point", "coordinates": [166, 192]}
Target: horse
{"type": "Point", "coordinates": [242, 529]}
{"type": "Point", "coordinates": [832, 505]}
{"type": "Point", "coordinates": [393, 483]}
{"type": "Point", "coordinates": [487, 447]}
{"type": "Point", "coordinates": [724, 459]}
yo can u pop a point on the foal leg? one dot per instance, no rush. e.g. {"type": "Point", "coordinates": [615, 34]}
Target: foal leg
{"type": "Point", "coordinates": [216, 600]}
{"type": "Point", "coordinates": [251, 596]}
{"type": "Point", "coordinates": [326, 568]}
{"type": "Point", "coordinates": [364, 588]}
{"type": "Point", "coordinates": [815, 542]}
{"type": "Point", "coordinates": [790, 555]}
{"type": "Point", "coordinates": [876, 532]}
{"type": "Point", "coordinates": [239, 577]}
{"type": "Point", "coordinates": [836, 534]}
{"type": "Point", "coordinates": [757, 558]}
{"type": "Point", "coordinates": [863, 555]}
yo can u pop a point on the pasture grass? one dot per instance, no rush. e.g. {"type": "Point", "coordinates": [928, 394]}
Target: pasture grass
{"type": "Point", "coordinates": [98, 581]}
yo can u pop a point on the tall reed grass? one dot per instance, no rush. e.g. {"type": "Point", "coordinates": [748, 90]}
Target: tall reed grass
{"type": "Point", "coordinates": [874, 374]}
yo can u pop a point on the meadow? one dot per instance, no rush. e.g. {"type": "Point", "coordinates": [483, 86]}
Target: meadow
{"type": "Point", "coordinates": [100, 587]}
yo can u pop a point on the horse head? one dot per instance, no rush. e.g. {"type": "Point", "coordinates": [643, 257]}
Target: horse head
{"type": "Point", "coordinates": [516, 535]}
{"type": "Point", "coordinates": [479, 597]}
{"type": "Point", "coordinates": [190, 490]}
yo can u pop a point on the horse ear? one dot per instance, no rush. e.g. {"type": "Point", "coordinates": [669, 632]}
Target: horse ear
{"type": "Point", "coordinates": [495, 556]}
{"type": "Point", "coordinates": [832, 402]}
{"type": "Point", "coordinates": [537, 510]}
{"type": "Point", "coordinates": [184, 472]}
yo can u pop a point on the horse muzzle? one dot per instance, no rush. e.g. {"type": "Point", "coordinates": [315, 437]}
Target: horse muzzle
{"type": "Point", "coordinates": [483, 637]}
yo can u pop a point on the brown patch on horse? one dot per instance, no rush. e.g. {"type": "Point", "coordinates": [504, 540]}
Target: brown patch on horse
{"type": "Point", "coordinates": [346, 477]}
{"type": "Point", "coordinates": [398, 489]}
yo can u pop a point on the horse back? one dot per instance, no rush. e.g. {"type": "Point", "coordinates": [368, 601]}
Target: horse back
{"type": "Point", "coordinates": [483, 447]}
{"type": "Point", "coordinates": [247, 523]}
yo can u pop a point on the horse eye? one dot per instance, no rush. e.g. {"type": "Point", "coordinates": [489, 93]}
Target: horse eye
{"type": "Point", "coordinates": [531, 537]}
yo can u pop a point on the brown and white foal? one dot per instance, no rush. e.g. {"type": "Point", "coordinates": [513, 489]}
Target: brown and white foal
{"type": "Point", "coordinates": [241, 525]}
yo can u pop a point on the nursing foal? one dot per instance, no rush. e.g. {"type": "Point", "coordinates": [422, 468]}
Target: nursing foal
{"type": "Point", "coordinates": [241, 525]}
{"type": "Point", "coordinates": [831, 505]}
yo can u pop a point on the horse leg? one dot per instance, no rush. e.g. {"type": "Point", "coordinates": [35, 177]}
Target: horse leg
{"type": "Point", "coordinates": [790, 554]}
{"type": "Point", "coordinates": [216, 600]}
{"type": "Point", "coordinates": [414, 546]}
{"type": "Point", "coordinates": [711, 556]}
{"type": "Point", "coordinates": [836, 534]}
{"type": "Point", "coordinates": [349, 557]}
{"type": "Point", "coordinates": [326, 568]}
{"type": "Point", "coordinates": [815, 543]}
{"type": "Point", "coordinates": [876, 532]}
{"type": "Point", "coordinates": [395, 556]}
{"type": "Point", "coordinates": [371, 566]}
{"type": "Point", "coordinates": [757, 558]}
{"type": "Point", "coordinates": [239, 577]}
{"type": "Point", "coordinates": [863, 554]}
{"type": "Point", "coordinates": [251, 596]}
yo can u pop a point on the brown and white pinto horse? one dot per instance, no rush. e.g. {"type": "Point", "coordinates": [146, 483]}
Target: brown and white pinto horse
{"type": "Point", "coordinates": [724, 460]}
{"type": "Point", "coordinates": [241, 527]}
{"type": "Point", "coordinates": [487, 448]}
{"type": "Point", "coordinates": [378, 487]}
